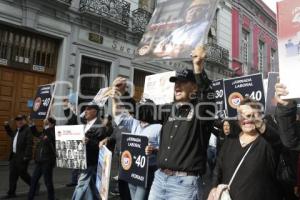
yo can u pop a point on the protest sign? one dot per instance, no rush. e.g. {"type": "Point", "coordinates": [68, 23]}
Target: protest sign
{"type": "Point", "coordinates": [159, 89]}
{"type": "Point", "coordinates": [236, 89]}
{"type": "Point", "coordinates": [102, 96]}
{"type": "Point", "coordinates": [288, 18]}
{"type": "Point", "coordinates": [176, 28]}
{"type": "Point", "coordinates": [271, 102]}
{"type": "Point", "coordinates": [218, 88]}
{"type": "Point", "coordinates": [103, 172]}
{"type": "Point", "coordinates": [42, 101]}
{"type": "Point", "coordinates": [134, 162]}
{"type": "Point", "coordinates": [70, 150]}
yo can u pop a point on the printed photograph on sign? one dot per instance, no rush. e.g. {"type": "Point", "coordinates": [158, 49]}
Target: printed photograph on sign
{"type": "Point", "coordinates": [159, 89]}
{"type": "Point", "coordinates": [288, 18]}
{"type": "Point", "coordinates": [70, 150]}
{"type": "Point", "coordinates": [176, 28]}
{"type": "Point", "coordinates": [103, 172]}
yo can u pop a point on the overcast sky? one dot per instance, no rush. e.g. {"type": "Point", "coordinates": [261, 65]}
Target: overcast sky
{"type": "Point", "coordinates": [271, 4]}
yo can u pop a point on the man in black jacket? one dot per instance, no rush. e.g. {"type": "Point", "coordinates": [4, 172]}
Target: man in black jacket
{"type": "Point", "coordinates": [45, 155]}
{"type": "Point", "coordinates": [94, 133]}
{"type": "Point", "coordinates": [21, 153]}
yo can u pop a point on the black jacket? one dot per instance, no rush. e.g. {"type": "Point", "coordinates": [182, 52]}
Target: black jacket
{"type": "Point", "coordinates": [24, 143]}
{"type": "Point", "coordinates": [45, 148]}
{"type": "Point", "coordinates": [289, 128]}
{"type": "Point", "coordinates": [95, 134]}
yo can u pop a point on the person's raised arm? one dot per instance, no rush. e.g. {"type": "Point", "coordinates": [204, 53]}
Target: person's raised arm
{"type": "Point", "coordinates": [8, 129]}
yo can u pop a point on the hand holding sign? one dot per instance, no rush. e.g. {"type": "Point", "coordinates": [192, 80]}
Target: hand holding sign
{"type": "Point", "coordinates": [281, 90]}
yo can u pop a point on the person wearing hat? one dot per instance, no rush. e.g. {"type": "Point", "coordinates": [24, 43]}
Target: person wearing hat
{"type": "Point", "coordinates": [183, 39]}
{"type": "Point", "coordinates": [181, 159]}
{"type": "Point", "coordinates": [20, 155]}
{"type": "Point", "coordinates": [94, 133]}
{"type": "Point", "coordinates": [45, 158]}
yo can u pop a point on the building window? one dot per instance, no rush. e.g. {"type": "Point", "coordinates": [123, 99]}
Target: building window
{"type": "Point", "coordinates": [273, 60]}
{"type": "Point", "coordinates": [90, 85]}
{"type": "Point", "coordinates": [24, 49]}
{"type": "Point", "coordinates": [139, 82]}
{"type": "Point", "coordinates": [245, 50]}
{"type": "Point", "coordinates": [261, 53]}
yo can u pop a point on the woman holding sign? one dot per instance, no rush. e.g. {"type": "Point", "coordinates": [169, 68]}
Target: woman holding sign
{"type": "Point", "coordinates": [144, 125]}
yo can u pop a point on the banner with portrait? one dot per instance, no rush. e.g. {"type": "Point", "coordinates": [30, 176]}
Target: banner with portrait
{"type": "Point", "coordinates": [70, 149]}
{"type": "Point", "coordinates": [288, 20]}
{"type": "Point", "coordinates": [103, 172]}
{"type": "Point", "coordinates": [176, 28]}
{"type": "Point", "coordinates": [42, 101]}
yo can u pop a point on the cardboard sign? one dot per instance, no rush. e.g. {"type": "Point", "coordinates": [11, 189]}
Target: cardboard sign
{"type": "Point", "coordinates": [159, 89]}
{"type": "Point", "coordinates": [42, 101]}
{"type": "Point", "coordinates": [70, 150]}
{"type": "Point", "coordinates": [218, 88]}
{"type": "Point", "coordinates": [103, 172]}
{"type": "Point", "coordinates": [288, 20]}
{"type": "Point", "coordinates": [271, 102]}
{"type": "Point", "coordinates": [236, 89]}
{"type": "Point", "coordinates": [176, 28]}
{"type": "Point", "coordinates": [134, 162]}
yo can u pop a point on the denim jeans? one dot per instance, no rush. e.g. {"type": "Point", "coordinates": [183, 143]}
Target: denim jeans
{"type": "Point", "coordinates": [86, 187]}
{"type": "Point", "coordinates": [45, 169]}
{"type": "Point", "coordinates": [167, 187]}
{"type": "Point", "coordinates": [211, 158]}
{"type": "Point", "coordinates": [137, 192]}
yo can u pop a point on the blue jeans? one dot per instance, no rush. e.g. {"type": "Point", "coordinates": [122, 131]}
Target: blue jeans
{"type": "Point", "coordinates": [86, 187]}
{"type": "Point", "coordinates": [211, 158]}
{"type": "Point", "coordinates": [167, 187]}
{"type": "Point", "coordinates": [137, 192]}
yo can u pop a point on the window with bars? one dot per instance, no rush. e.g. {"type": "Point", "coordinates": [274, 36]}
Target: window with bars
{"type": "Point", "coordinates": [261, 53]}
{"type": "Point", "coordinates": [25, 49]}
{"type": "Point", "coordinates": [273, 60]}
{"type": "Point", "coordinates": [139, 82]}
{"type": "Point", "coordinates": [245, 50]}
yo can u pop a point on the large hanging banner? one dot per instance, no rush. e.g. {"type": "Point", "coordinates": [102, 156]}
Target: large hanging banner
{"type": "Point", "coordinates": [134, 161]}
{"type": "Point", "coordinates": [288, 20]}
{"type": "Point", "coordinates": [103, 172]}
{"type": "Point", "coordinates": [159, 89]}
{"type": "Point", "coordinates": [42, 102]}
{"type": "Point", "coordinates": [70, 150]}
{"type": "Point", "coordinates": [176, 28]}
{"type": "Point", "coordinates": [236, 89]}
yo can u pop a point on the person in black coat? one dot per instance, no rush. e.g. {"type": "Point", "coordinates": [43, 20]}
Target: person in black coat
{"type": "Point", "coordinates": [94, 133]}
{"type": "Point", "coordinates": [21, 153]}
{"type": "Point", "coordinates": [45, 156]}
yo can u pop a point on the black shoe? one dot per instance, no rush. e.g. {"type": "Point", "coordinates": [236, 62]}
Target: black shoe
{"type": "Point", "coordinates": [9, 196]}
{"type": "Point", "coordinates": [71, 185]}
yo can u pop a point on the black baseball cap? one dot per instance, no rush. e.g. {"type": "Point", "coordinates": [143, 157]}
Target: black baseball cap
{"type": "Point", "coordinates": [184, 75]}
{"type": "Point", "coordinates": [20, 117]}
{"type": "Point", "coordinates": [92, 105]}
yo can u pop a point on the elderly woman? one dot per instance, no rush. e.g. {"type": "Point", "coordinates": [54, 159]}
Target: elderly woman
{"type": "Point", "coordinates": [256, 177]}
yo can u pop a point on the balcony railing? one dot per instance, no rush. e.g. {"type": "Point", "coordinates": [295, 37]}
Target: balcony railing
{"type": "Point", "coordinates": [217, 54]}
{"type": "Point", "coordinates": [66, 2]}
{"type": "Point", "coordinates": [140, 21]}
{"type": "Point", "coordinates": [114, 10]}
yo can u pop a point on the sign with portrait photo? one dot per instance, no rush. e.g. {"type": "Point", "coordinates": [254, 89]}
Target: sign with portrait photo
{"type": "Point", "coordinates": [134, 161]}
{"type": "Point", "coordinates": [159, 89]}
{"type": "Point", "coordinates": [271, 102]}
{"type": "Point", "coordinates": [103, 172]}
{"type": "Point", "coordinates": [288, 20]}
{"type": "Point", "coordinates": [42, 101]}
{"type": "Point", "coordinates": [236, 89]}
{"type": "Point", "coordinates": [70, 150]}
{"type": "Point", "coordinates": [176, 28]}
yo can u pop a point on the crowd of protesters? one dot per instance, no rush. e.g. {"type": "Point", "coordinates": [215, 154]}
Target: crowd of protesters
{"type": "Point", "coordinates": [252, 158]}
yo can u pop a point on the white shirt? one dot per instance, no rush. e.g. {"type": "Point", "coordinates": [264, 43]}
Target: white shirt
{"type": "Point", "coordinates": [89, 125]}
{"type": "Point", "coordinates": [213, 140]}
{"type": "Point", "coordinates": [15, 142]}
